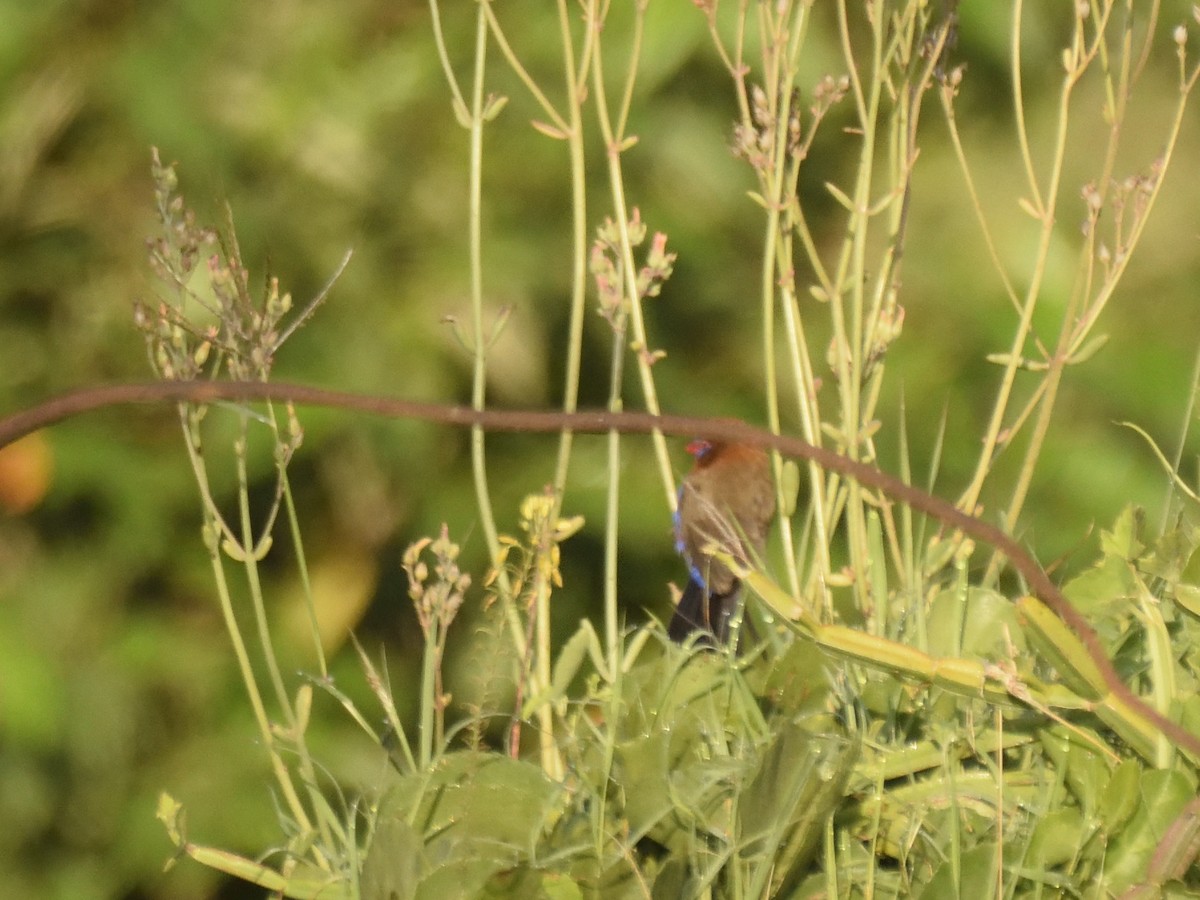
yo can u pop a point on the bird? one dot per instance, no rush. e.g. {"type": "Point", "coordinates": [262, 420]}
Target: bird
{"type": "Point", "coordinates": [727, 501]}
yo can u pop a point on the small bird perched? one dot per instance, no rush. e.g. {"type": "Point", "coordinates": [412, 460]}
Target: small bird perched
{"type": "Point", "coordinates": [727, 501]}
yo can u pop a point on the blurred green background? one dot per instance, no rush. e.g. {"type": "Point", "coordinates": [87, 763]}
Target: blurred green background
{"type": "Point", "coordinates": [326, 125]}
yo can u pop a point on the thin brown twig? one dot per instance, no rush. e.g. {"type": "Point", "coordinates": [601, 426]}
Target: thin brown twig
{"type": "Point", "coordinates": [98, 397]}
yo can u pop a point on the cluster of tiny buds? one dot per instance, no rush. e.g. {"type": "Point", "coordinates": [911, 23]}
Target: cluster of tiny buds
{"type": "Point", "coordinates": [1130, 202]}
{"type": "Point", "coordinates": [606, 263]}
{"type": "Point", "coordinates": [829, 91]}
{"type": "Point", "coordinates": [756, 141]}
{"type": "Point", "coordinates": [205, 306]}
{"type": "Point", "coordinates": [436, 603]}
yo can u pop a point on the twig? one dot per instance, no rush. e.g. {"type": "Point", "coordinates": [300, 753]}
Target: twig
{"type": "Point", "coordinates": [90, 399]}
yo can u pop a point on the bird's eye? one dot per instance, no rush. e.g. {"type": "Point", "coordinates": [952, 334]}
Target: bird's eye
{"type": "Point", "coordinates": [699, 448]}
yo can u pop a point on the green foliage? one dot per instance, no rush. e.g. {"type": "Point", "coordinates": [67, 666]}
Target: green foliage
{"type": "Point", "coordinates": [470, 820]}
{"type": "Point", "coordinates": [689, 772]}
{"type": "Point", "coordinates": [906, 722]}
{"type": "Point", "coordinates": [667, 795]}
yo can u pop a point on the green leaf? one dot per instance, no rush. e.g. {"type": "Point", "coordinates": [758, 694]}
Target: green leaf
{"type": "Point", "coordinates": [559, 887]}
{"type": "Point", "coordinates": [570, 658]}
{"type": "Point", "coordinates": [395, 862]}
{"type": "Point", "coordinates": [789, 486]}
{"type": "Point", "coordinates": [461, 879]}
{"type": "Point", "coordinates": [1120, 799]}
{"type": "Point", "coordinates": [1123, 541]}
{"type": "Point", "coordinates": [1056, 838]}
{"type": "Point", "coordinates": [782, 812]}
{"type": "Point", "coordinates": [983, 624]}
{"type": "Point", "coordinates": [976, 875]}
{"type": "Point", "coordinates": [1162, 795]}
{"type": "Point", "coordinates": [1176, 852]}
{"type": "Point", "coordinates": [1188, 596]}
{"type": "Point", "coordinates": [797, 683]}
{"type": "Point", "coordinates": [473, 803]}
{"type": "Point", "coordinates": [1103, 589]}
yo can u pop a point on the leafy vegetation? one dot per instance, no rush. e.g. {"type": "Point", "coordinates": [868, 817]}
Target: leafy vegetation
{"type": "Point", "coordinates": [910, 723]}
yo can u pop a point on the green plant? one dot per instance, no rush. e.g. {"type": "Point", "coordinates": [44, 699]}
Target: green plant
{"type": "Point", "coordinates": [948, 735]}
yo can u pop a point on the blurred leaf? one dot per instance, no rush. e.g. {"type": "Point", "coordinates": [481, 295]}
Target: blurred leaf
{"type": "Point", "coordinates": [643, 769]}
{"type": "Point", "coordinates": [982, 623]}
{"type": "Point", "coordinates": [473, 816]}
{"type": "Point", "coordinates": [473, 800]}
{"type": "Point", "coordinates": [1056, 838]}
{"type": "Point", "coordinates": [976, 876]}
{"type": "Point", "coordinates": [1177, 851]}
{"type": "Point", "coordinates": [1161, 796]}
{"type": "Point", "coordinates": [461, 878]}
{"type": "Point", "coordinates": [783, 811]}
{"type": "Point", "coordinates": [1123, 540]}
{"type": "Point", "coordinates": [527, 882]}
{"type": "Point", "coordinates": [797, 683]}
{"type": "Point", "coordinates": [395, 861]}
{"type": "Point", "coordinates": [1120, 799]}
{"type": "Point", "coordinates": [1102, 589]}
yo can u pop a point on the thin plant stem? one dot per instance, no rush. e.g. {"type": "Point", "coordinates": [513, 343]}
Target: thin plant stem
{"type": "Point", "coordinates": [579, 250]}
{"type": "Point", "coordinates": [1043, 206]}
{"type": "Point", "coordinates": [616, 142]}
{"type": "Point", "coordinates": [848, 336]}
{"type": "Point", "coordinates": [439, 40]}
{"type": "Point", "coordinates": [575, 150]}
{"type": "Point", "coordinates": [426, 738]}
{"type": "Point", "coordinates": [249, 549]}
{"type": "Point", "coordinates": [569, 125]}
{"type": "Point", "coordinates": [212, 542]}
{"type": "Point", "coordinates": [612, 515]}
{"type": "Point", "coordinates": [964, 166]}
{"type": "Point", "coordinates": [1168, 505]}
{"type": "Point", "coordinates": [289, 505]}
{"type": "Point", "coordinates": [475, 239]}
{"type": "Point", "coordinates": [479, 375]}
{"type": "Point", "coordinates": [778, 272]}
{"type": "Point", "coordinates": [1076, 326]}
{"type": "Point", "coordinates": [1019, 108]}
{"type": "Point", "coordinates": [548, 108]}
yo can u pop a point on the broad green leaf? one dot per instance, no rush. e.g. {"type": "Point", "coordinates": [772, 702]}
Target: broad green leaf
{"type": "Point", "coordinates": [1162, 795]}
{"type": "Point", "coordinates": [984, 624]}
{"type": "Point", "coordinates": [1121, 797]}
{"type": "Point", "coordinates": [461, 879]}
{"type": "Point", "coordinates": [1102, 589]}
{"type": "Point", "coordinates": [976, 876]}
{"type": "Point", "coordinates": [1123, 539]}
{"type": "Point", "coordinates": [782, 812]}
{"type": "Point", "coordinates": [395, 862]}
{"type": "Point", "coordinates": [1056, 838]}
{"type": "Point", "coordinates": [472, 800]}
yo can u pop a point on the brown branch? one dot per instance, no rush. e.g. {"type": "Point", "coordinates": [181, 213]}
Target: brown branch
{"type": "Point", "coordinates": [88, 399]}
